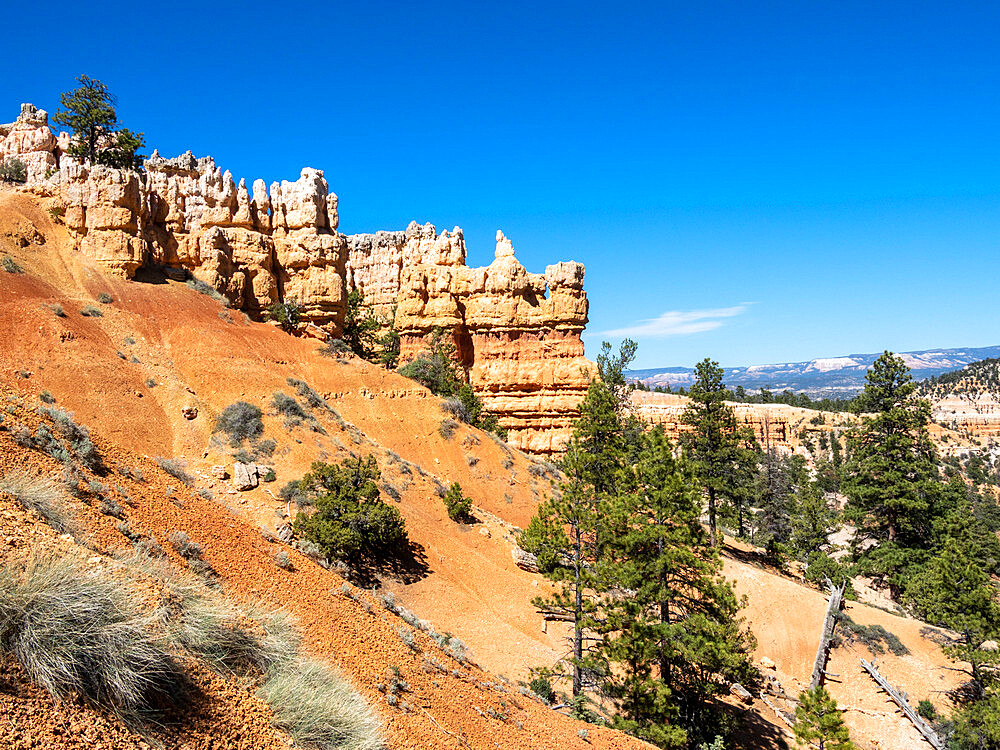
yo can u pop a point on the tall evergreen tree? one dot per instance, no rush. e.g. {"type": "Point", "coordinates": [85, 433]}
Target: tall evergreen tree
{"type": "Point", "coordinates": [891, 478]}
{"type": "Point", "coordinates": [571, 530]}
{"type": "Point", "coordinates": [674, 640]}
{"type": "Point", "coordinates": [819, 722]}
{"type": "Point", "coordinates": [89, 111]}
{"type": "Point", "coordinates": [718, 447]}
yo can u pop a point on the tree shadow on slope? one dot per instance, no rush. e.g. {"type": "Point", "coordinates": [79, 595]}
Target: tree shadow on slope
{"type": "Point", "coordinates": [408, 566]}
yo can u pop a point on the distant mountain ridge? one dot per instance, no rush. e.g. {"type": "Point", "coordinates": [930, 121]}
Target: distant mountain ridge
{"type": "Point", "coordinates": [832, 377]}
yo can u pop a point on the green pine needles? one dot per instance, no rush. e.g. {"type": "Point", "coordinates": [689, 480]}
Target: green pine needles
{"type": "Point", "coordinates": [626, 518]}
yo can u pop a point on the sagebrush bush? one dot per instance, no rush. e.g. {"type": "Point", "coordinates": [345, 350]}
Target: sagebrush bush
{"type": "Point", "coordinates": [317, 707]}
{"type": "Point", "coordinates": [202, 288]}
{"type": "Point", "coordinates": [10, 265]}
{"type": "Point", "coordinates": [312, 398]}
{"type": "Point", "coordinates": [73, 632]}
{"type": "Point", "coordinates": [77, 438]}
{"type": "Point", "coordinates": [241, 421]}
{"type": "Point", "coordinates": [91, 312]}
{"type": "Point", "coordinates": [181, 542]}
{"type": "Point", "coordinates": [447, 428]}
{"type": "Point", "coordinates": [177, 469]}
{"type": "Point", "coordinates": [40, 494]}
{"type": "Point", "coordinates": [288, 406]}
{"type": "Point", "coordinates": [105, 299]}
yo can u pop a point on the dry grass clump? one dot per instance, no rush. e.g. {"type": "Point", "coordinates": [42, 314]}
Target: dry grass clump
{"type": "Point", "coordinates": [73, 632]}
{"type": "Point", "coordinates": [40, 494]}
{"type": "Point", "coordinates": [317, 707]}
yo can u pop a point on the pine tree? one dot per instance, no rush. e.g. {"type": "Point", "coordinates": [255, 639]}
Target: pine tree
{"type": "Point", "coordinates": [820, 722]}
{"type": "Point", "coordinates": [891, 478]}
{"type": "Point", "coordinates": [955, 591]}
{"type": "Point", "coordinates": [675, 640]}
{"type": "Point", "coordinates": [572, 530]}
{"type": "Point", "coordinates": [97, 137]}
{"type": "Point", "coordinates": [360, 327]}
{"type": "Point", "coordinates": [812, 519]}
{"type": "Point", "coordinates": [716, 445]}
{"type": "Point", "coordinates": [563, 534]}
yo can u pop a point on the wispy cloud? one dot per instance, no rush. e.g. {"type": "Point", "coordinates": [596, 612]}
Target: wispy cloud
{"type": "Point", "coordinates": [678, 323]}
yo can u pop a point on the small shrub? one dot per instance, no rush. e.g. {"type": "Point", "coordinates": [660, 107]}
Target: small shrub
{"type": "Point", "coordinates": [317, 707]}
{"type": "Point", "coordinates": [11, 266]}
{"type": "Point", "coordinates": [242, 456]}
{"type": "Point", "coordinates": [73, 632]}
{"type": "Point", "coordinates": [181, 542]}
{"type": "Point", "coordinates": [457, 504]}
{"type": "Point", "coordinates": [269, 476]}
{"type": "Point", "coordinates": [471, 460]}
{"type": "Point", "coordinates": [46, 398]}
{"type": "Point", "coordinates": [541, 687]}
{"type": "Point", "coordinates": [288, 406]}
{"type": "Point", "coordinates": [335, 348]}
{"type": "Point", "coordinates": [57, 310]}
{"type": "Point", "coordinates": [149, 547]}
{"type": "Point", "coordinates": [40, 494]}
{"type": "Point", "coordinates": [313, 551]}
{"type": "Point", "coordinates": [202, 288]}
{"type": "Point", "coordinates": [241, 421]}
{"type": "Point", "coordinates": [177, 469]}
{"type": "Point", "coordinates": [875, 637]}
{"type": "Point", "coordinates": [150, 383]}
{"type": "Point", "coordinates": [457, 649]}
{"type": "Point", "coordinates": [407, 637]}
{"type": "Point", "coordinates": [926, 709]}
{"type": "Point", "coordinates": [287, 314]}
{"type": "Point", "coordinates": [13, 170]}
{"type": "Point", "coordinates": [105, 299]}
{"type": "Point", "coordinates": [312, 398]}
{"type": "Point", "coordinates": [110, 507]}
{"type": "Point", "coordinates": [91, 312]}
{"type": "Point", "coordinates": [447, 428]}
{"type": "Point", "coordinates": [264, 448]}
{"type": "Point", "coordinates": [283, 561]}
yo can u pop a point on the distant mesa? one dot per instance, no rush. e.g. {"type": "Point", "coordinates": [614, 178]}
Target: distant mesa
{"type": "Point", "coordinates": [832, 377]}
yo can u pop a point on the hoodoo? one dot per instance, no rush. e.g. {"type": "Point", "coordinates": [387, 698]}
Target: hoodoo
{"type": "Point", "coordinates": [517, 333]}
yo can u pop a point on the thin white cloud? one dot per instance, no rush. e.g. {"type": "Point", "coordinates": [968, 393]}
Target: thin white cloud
{"type": "Point", "coordinates": [678, 323]}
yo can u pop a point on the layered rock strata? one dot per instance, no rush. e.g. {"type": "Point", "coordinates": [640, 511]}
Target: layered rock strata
{"type": "Point", "coordinates": [517, 333]}
{"type": "Point", "coordinates": [771, 423]}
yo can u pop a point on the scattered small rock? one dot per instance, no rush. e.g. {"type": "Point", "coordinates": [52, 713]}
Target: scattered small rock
{"type": "Point", "coordinates": [190, 412]}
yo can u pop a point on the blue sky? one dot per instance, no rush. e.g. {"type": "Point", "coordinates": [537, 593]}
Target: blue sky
{"type": "Point", "coordinates": [756, 182]}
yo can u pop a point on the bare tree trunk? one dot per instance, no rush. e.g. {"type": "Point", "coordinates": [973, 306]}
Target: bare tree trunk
{"type": "Point", "coordinates": [711, 515]}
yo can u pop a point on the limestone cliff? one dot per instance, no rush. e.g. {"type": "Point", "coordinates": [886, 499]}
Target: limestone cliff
{"type": "Point", "coordinates": [517, 333]}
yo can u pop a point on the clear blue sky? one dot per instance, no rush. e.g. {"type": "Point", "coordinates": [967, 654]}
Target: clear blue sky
{"type": "Point", "coordinates": [772, 181]}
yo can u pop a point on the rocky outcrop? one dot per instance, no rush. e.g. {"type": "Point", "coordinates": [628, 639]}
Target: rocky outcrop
{"type": "Point", "coordinates": [975, 413]}
{"type": "Point", "coordinates": [30, 140]}
{"type": "Point", "coordinates": [517, 333]}
{"type": "Point", "coordinates": [772, 423]}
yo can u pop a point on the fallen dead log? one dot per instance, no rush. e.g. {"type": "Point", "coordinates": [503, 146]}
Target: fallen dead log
{"type": "Point", "coordinates": [922, 726]}
{"type": "Point", "coordinates": [829, 622]}
{"type": "Point", "coordinates": [781, 714]}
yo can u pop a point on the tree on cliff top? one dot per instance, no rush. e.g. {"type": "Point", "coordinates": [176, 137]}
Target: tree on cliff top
{"type": "Point", "coordinates": [97, 136]}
